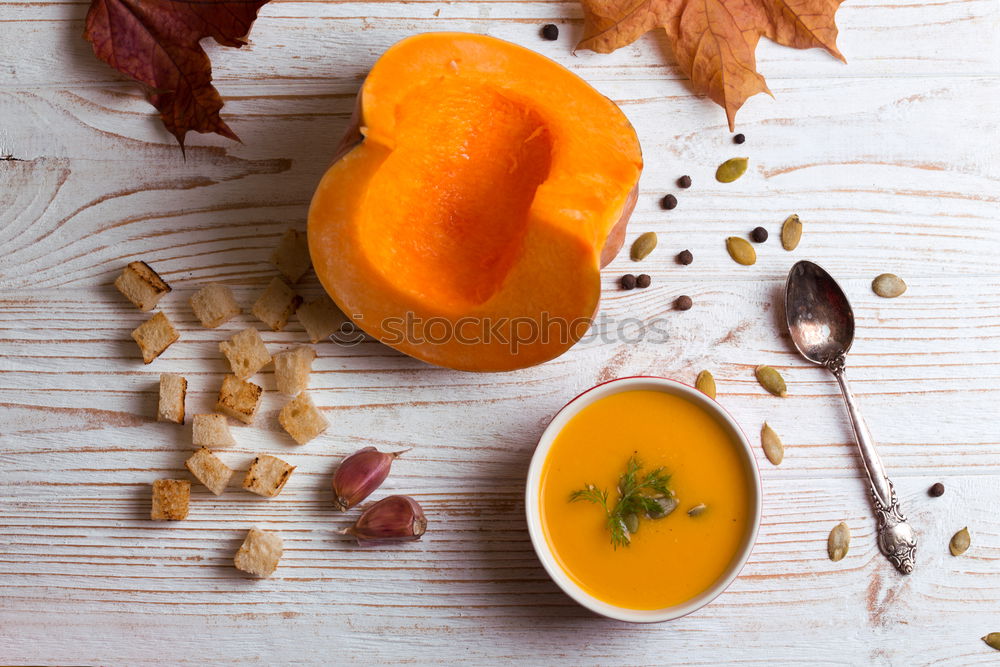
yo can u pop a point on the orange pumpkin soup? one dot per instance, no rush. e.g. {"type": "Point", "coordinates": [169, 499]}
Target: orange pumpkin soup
{"type": "Point", "coordinates": [668, 560]}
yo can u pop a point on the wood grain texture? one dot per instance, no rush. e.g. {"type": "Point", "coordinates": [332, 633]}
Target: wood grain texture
{"type": "Point", "coordinates": [891, 161]}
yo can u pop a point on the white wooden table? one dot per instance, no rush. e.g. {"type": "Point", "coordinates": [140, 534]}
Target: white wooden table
{"type": "Point", "coordinates": [890, 160]}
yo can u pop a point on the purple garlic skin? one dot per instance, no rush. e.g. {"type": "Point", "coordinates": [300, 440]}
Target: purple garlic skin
{"type": "Point", "coordinates": [359, 475]}
{"type": "Point", "coordinates": [392, 519]}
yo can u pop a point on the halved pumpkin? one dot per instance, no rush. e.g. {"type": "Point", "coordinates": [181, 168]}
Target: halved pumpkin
{"type": "Point", "coordinates": [472, 203]}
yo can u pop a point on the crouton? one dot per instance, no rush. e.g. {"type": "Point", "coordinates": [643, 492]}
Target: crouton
{"type": "Point", "coordinates": [321, 318]}
{"type": "Point", "coordinates": [246, 353]}
{"type": "Point", "coordinates": [214, 305]}
{"type": "Point", "coordinates": [292, 368]}
{"type": "Point", "coordinates": [267, 476]}
{"type": "Point", "coordinates": [291, 257]}
{"type": "Point", "coordinates": [210, 470]}
{"type": "Point", "coordinates": [141, 285]}
{"type": "Point", "coordinates": [260, 552]}
{"type": "Point", "coordinates": [211, 431]}
{"type": "Point", "coordinates": [173, 389]}
{"type": "Point", "coordinates": [239, 399]}
{"type": "Point", "coordinates": [170, 499]}
{"type": "Point", "coordinates": [302, 419]}
{"type": "Point", "coordinates": [154, 336]}
{"type": "Point", "coordinates": [276, 304]}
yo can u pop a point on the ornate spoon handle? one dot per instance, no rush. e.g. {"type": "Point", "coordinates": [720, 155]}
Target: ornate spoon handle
{"type": "Point", "coordinates": [896, 539]}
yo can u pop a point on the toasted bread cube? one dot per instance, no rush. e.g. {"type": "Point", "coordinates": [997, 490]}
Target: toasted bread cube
{"type": "Point", "coordinates": [239, 399]}
{"type": "Point", "coordinates": [173, 389]}
{"type": "Point", "coordinates": [267, 476]}
{"type": "Point", "coordinates": [292, 368]}
{"type": "Point", "coordinates": [260, 552]}
{"type": "Point", "coordinates": [321, 318]}
{"type": "Point", "coordinates": [246, 353]}
{"type": "Point", "coordinates": [211, 431]}
{"type": "Point", "coordinates": [209, 470]}
{"type": "Point", "coordinates": [154, 336]}
{"type": "Point", "coordinates": [170, 499]}
{"type": "Point", "coordinates": [276, 304]}
{"type": "Point", "coordinates": [214, 305]}
{"type": "Point", "coordinates": [302, 419]}
{"type": "Point", "coordinates": [141, 285]}
{"type": "Point", "coordinates": [291, 257]}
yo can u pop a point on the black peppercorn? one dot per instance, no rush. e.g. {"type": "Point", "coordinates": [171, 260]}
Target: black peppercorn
{"type": "Point", "coordinates": [550, 31]}
{"type": "Point", "coordinates": [739, 138]}
{"type": "Point", "coordinates": [628, 281]}
{"type": "Point", "coordinates": [669, 202]}
{"type": "Point", "coordinates": [683, 302]}
{"type": "Point", "coordinates": [643, 280]}
{"type": "Point", "coordinates": [685, 257]}
{"type": "Point", "coordinates": [759, 235]}
{"type": "Point", "coordinates": [936, 491]}
{"type": "Point", "coordinates": [684, 182]}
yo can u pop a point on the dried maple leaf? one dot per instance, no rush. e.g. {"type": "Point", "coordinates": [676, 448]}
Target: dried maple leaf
{"type": "Point", "coordinates": [156, 42]}
{"type": "Point", "coordinates": [714, 40]}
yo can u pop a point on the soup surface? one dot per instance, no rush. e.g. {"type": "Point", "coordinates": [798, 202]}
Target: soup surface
{"type": "Point", "coordinates": [669, 560]}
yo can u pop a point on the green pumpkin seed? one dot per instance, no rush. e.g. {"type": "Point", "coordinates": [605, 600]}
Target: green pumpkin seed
{"type": "Point", "coordinates": [631, 523]}
{"type": "Point", "coordinates": [838, 542]}
{"type": "Point", "coordinates": [791, 232]}
{"type": "Point", "coordinates": [731, 169]}
{"type": "Point", "coordinates": [960, 542]}
{"type": "Point", "coordinates": [773, 448]}
{"type": "Point", "coordinates": [771, 380]}
{"type": "Point", "coordinates": [741, 251]}
{"type": "Point", "coordinates": [993, 640]}
{"type": "Point", "coordinates": [705, 384]}
{"type": "Point", "coordinates": [665, 506]}
{"type": "Point", "coordinates": [888, 285]}
{"type": "Point", "coordinates": [642, 246]}
{"type": "Point", "coordinates": [697, 510]}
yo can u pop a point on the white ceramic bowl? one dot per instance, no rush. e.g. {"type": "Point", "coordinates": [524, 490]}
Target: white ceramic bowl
{"type": "Point", "coordinates": [533, 510]}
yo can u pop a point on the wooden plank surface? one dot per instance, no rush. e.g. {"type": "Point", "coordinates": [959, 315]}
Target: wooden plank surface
{"type": "Point", "coordinates": [891, 161]}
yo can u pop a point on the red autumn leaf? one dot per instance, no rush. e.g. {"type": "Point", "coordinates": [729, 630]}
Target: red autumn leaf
{"type": "Point", "coordinates": [156, 42]}
{"type": "Point", "coordinates": [714, 40]}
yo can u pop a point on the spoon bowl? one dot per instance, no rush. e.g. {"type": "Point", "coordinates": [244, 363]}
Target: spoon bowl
{"type": "Point", "coordinates": [819, 317]}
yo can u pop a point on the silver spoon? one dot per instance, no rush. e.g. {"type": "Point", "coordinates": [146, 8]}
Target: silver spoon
{"type": "Point", "coordinates": [822, 326]}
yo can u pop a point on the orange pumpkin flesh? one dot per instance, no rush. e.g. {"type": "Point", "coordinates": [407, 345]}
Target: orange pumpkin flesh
{"type": "Point", "coordinates": [473, 202]}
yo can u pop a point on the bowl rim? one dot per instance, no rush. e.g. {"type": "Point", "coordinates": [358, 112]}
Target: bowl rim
{"type": "Point", "coordinates": [533, 510]}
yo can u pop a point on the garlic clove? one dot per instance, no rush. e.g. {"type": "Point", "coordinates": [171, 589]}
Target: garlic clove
{"type": "Point", "coordinates": [392, 519]}
{"type": "Point", "coordinates": [359, 475]}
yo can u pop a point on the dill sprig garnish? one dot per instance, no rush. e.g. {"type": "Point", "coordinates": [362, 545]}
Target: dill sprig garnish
{"type": "Point", "coordinates": [638, 495]}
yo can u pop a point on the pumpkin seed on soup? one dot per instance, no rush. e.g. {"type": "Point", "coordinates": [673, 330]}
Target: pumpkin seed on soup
{"type": "Point", "coordinates": [642, 246]}
{"type": "Point", "coordinates": [741, 251]}
{"type": "Point", "coordinates": [731, 169]}
{"type": "Point", "coordinates": [888, 285]}
{"type": "Point", "coordinates": [773, 448]}
{"type": "Point", "coordinates": [705, 383]}
{"type": "Point", "coordinates": [771, 380]}
{"type": "Point", "coordinates": [697, 510]}
{"type": "Point", "coordinates": [791, 232]}
{"type": "Point", "coordinates": [664, 506]}
{"type": "Point", "coordinates": [839, 541]}
{"type": "Point", "coordinates": [960, 542]}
